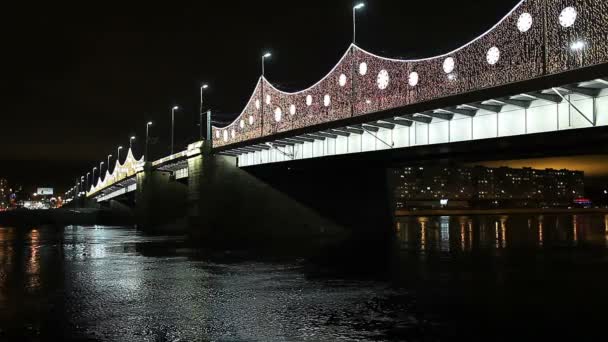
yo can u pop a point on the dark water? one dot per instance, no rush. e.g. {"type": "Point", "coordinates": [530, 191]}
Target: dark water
{"type": "Point", "coordinates": [485, 278]}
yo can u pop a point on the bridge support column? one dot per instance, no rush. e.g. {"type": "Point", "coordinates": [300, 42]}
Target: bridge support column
{"type": "Point", "coordinates": [231, 206]}
{"type": "Point", "coordinates": [160, 201]}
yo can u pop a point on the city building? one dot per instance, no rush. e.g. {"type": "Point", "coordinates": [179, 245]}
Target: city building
{"type": "Point", "coordinates": [482, 187]}
{"type": "Point", "coordinates": [4, 194]}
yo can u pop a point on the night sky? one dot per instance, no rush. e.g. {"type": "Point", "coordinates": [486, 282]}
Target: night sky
{"type": "Point", "coordinates": [77, 81]}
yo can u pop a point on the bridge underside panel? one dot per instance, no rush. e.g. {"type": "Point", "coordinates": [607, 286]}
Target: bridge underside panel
{"type": "Point", "coordinates": [558, 110]}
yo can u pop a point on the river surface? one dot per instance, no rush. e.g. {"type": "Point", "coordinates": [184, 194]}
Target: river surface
{"type": "Point", "coordinates": [440, 279]}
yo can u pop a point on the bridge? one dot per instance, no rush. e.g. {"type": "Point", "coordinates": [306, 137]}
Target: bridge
{"type": "Point", "coordinates": [542, 69]}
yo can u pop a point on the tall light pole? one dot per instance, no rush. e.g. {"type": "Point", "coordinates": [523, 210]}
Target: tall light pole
{"type": "Point", "coordinates": [108, 166]}
{"type": "Point", "coordinates": [147, 137]}
{"type": "Point", "coordinates": [118, 154]}
{"type": "Point", "coordinates": [359, 6]}
{"type": "Point", "coordinates": [203, 87]}
{"type": "Point", "coordinates": [266, 55]}
{"type": "Point", "coordinates": [131, 142]}
{"type": "Point", "coordinates": [93, 179]}
{"type": "Point", "coordinates": [173, 125]}
{"type": "Point", "coordinates": [100, 168]}
{"type": "Point", "coordinates": [91, 182]}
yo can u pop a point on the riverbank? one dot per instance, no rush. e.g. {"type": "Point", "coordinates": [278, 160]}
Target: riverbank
{"type": "Point", "coordinates": [63, 217]}
{"type": "Point", "coordinates": [461, 212]}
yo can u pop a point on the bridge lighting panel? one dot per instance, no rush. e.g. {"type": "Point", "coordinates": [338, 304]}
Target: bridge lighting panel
{"type": "Point", "coordinates": [292, 109]}
{"type": "Point", "coordinates": [568, 16]}
{"type": "Point", "coordinates": [448, 65]}
{"type": "Point", "coordinates": [493, 55]}
{"type": "Point", "coordinates": [250, 120]}
{"type": "Point", "coordinates": [257, 104]}
{"type": "Point", "coordinates": [327, 100]}
{"type": "Point", "coordinates": [242, 124]}
{"type": "Point", "coordinates": [413, 79]}
{"type": "Point", "coordinates": [233, 133]}
{"type": "Point", "coordinates": [217, 134]}
{"type": "Point", "coordinates": [268, 99]}
{"type": "Point", "coordinates": [383, 79]}
{"type": "Point", "coordinates": [524, 23]}
{"type": "Point", "coordinates": [577, 45]}
{"type": "Point", "coordinates": [225, 136]}
{"type": "Point", "coordinates": [363, 69]}
{"type": "Point", "coordinates": [342, 80]}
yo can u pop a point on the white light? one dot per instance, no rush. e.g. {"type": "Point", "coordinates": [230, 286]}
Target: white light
{"type": "Point", "coordinates": [309, 100]}
{"type": "Point", "coordinates": [225, 135]}
{"type": "Point", "coordinates": [578, 45]}
{"type": "Point", "coordinates": [233, 133]}
{"type": "Point", "coordinates": [242, 124]}
{"type": "Point", "coordinates": [326, 100]}
{"type": "Point", "coordinates": [250, 120]}
{"type": "Point", "coordinates": [268, 99]}
{"type": "Point", "coordinates": [413, 79]}
{"type": "Point", "coordinates": [451, 77]}
{"type": "Point", "coordinates": [383, 79]}
{"type": "Point", "coordinates": [277, 114]}
{"type": "Point", "coordinates": [292, 109]}
{"type": "Point", "coordinates": [568, 16]}
{"type": "Point", "coordinates": [217, 134]}
{"type": "Point", "coordinates": [363, 69]}
{"type": "Point", "coordinates": [342, 80]}
{"type": "Point", "coordinates": [267, 54]}
{"type": "Point", "coordinates": [368, 101]}
{"type": "Point", "coordinates": [493, 55]}
{"type": "Point", "coordinates": [175, 108]}
{"type": "Point", "coordinates": [448, 65]}
{"type": "Point", "coordinates": [524, 23]}
{"type": "Point", "coordinates": [133, 138]}
{"type": "Point", "coordinates": [205, 86]}
{"type": "Point", "coordinates": [150, 123]}
{"type": "Point", "coordinates": [359, 6]}
{"type": "Point", "coordinates": [257, 104]}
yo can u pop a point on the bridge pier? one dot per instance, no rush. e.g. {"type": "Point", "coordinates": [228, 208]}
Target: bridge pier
{"type": "Point", "coordinates": [160, 201]}
{"type": "Point", "coordinates": [228, 205]}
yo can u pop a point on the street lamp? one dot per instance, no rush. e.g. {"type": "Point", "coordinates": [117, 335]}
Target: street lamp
{"type": "Point", "coordinates": [108, 166]}
{"type": "Point", "coordinates": [147, 137]}
{"type": "Point", "coordinates": [266, 55]}
{"type": "Point", "coordinates": [100, 168]}
{"type": "Point", "coordinates": [131, 142]}
{"type": "Point", "coordinates": [203, 87]}
{"type": "Point", "coordinates": [359, 6]}
{"type": "Point", "coordinates": [91, 182]}
{"type": "Point", "coordinates": [173, 125]}
{"type": "Point", "coordinates": [118, 154]}
{"type": "Point", "coordinates": [93, 178]}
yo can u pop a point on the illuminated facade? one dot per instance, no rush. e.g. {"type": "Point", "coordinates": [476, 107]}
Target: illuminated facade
{"type": "Point", "coordinates": [487, 187]}
{"type": "Point", "coordinates": [537, 38]}
{"type": "Point", "coordinates": [4, 194]}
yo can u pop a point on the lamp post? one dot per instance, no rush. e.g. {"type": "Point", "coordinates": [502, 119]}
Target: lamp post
{"type": "Point", "coordinates": [266, 55]}
{"type": "Point", "coordinates": [100, 168]}
{"type": "Point", "coordinates": [93, 178]}
{"type": "Point", "coordinates": [108, 165]}
{"type": "Point", "coordinates": [118, 154]}
{"type": "Point", "coordinates": [203, 87]}
{"type": "Point", "coordinates": [91, 182]}
{"type": "Point", "coordinates": [173, 125]}
{"type": "Point", "coordinates": [359, 6]}
{"type": "Point", "coordinates": [147, 137]}
{"type": "Point", "coordinates": [131, 142]}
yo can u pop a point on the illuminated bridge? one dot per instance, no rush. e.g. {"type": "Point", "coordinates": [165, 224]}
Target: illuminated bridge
{"type": "Point", "coordinates": [542, 69]}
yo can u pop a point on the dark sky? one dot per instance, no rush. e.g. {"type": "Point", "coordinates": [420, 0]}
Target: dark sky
{"type": "Point", "coordinates": [78, 80]}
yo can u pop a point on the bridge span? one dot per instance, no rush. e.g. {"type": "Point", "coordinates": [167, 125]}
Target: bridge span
{"type": "Point", "coordinates": [542, 69]}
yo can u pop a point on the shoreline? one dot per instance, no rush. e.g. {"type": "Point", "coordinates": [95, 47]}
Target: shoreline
{"type": "Point", "coordinates": [457, 212]}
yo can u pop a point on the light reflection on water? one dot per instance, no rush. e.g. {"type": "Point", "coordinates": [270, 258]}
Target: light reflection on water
{"type": "Point", "coordinates": [439, 275]}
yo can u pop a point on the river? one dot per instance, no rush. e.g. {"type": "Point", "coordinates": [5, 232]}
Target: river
{"type": "Point", "coordinates": [441, 278]}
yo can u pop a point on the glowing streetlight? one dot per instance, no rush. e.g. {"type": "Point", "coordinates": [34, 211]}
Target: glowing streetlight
{"type": "Point", "coordinates": [357, 7]}
{"type": "Point", "coordinates": [266, 55]}
{"type": "Point", "coordinates": [147, 138]}
{"type": "Point", "coordinates": [118, 154]}
{"type": "Point", "coordinates": [173, 125]}
{"type": "Point", "coordinates": [203, 87]}
{"type": "Point", "coordinates": [131, 142]}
